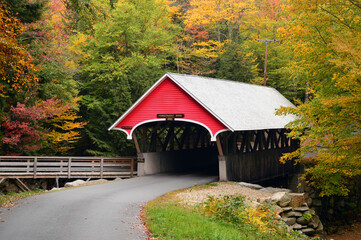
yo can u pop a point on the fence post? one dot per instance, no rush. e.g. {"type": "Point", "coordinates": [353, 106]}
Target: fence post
{"type": "Point", "coordinates": [101, 167]}
{"type": "Point", "coordinates": [69, 167]}
{"type": "Point", "coordinates": [132, 167]}
{"type": "Point", "coordinates": [35, 163]}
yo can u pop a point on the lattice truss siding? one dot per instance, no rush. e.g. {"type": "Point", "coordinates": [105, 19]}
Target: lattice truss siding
{"type": "Point", "coordinates": [169, 136]}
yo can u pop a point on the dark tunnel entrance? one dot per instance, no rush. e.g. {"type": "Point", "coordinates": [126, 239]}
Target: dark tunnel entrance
{"type": "Point", "coordinates": [175, 147]}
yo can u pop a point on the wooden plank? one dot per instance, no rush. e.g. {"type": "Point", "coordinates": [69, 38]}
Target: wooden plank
{"type": "Point", "coordinates": [219, 146]}
{"type": "Point", "coordinates": [69, 167]}
{"type": "Point", "coordinates": [101, 167]}
{"type": "Point", "coordinates": [2, 179]}
{"type": "Point", "coordinates": [14, 164]}
{"type": "Point", "coordinates": [35, 166]}
{"type": "Point", "coordinates": [136, 142]}
{"type": "Point", "coordinates": [23, 184]}
{"type": "Point", "coordinates": [18, 169]}
{"type": "Point", "coordinates": [247, 142]}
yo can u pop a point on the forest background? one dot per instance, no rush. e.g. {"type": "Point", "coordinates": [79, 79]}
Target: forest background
{"type": "Point", "coordinates": [70, 68]}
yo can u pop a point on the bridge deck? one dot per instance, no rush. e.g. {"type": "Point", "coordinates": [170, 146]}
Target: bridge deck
{"type": "Point", "coordinates": [66, 167]}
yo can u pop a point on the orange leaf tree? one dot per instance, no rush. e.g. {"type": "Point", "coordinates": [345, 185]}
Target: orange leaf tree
{"type": "Point", "coordinates": [16, 63]}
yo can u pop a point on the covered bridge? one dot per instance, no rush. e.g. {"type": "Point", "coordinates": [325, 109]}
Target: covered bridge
{"type": "Point", "coordinates": [187, 122]}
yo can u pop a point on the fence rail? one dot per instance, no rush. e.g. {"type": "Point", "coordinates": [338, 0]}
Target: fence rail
{"type": "Point", "coordinates": [66, 167]}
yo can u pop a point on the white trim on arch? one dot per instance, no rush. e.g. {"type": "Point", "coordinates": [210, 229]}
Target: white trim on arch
{"type": "Point", "coordinates": [213, 138]}
{"type": "Point", "coordinates": [122, 130]}
{"type": "Point", "coordinates": [220, 131]}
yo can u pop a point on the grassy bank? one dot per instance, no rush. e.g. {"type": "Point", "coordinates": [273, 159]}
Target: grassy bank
{"type": "Point", "coordinates": [225, 218]}
{"type": "Point", "coordinates": [6, 199]}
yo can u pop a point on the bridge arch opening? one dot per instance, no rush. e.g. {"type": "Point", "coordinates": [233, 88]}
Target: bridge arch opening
{"type": "Point", "coordinates": [175, 146]}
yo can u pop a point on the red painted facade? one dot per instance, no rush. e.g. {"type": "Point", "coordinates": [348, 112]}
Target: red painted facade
{"type": "Point", "coordinates": [169, 98]}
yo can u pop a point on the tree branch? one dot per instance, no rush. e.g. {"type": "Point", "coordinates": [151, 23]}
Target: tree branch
{"type": "Point", "coordinates": [354, 3]}
{"type": "Point", "coordinates": [339, 20]}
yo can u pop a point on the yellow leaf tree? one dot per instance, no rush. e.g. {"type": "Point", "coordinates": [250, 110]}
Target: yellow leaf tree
{"type": "Point", "coordinates": [324, 37]}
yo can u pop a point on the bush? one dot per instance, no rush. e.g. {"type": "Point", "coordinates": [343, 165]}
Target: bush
{"type": "Point", "coordinates": [261, 218]}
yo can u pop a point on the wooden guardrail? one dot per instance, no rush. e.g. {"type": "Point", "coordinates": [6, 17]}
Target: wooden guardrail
{"type": "Point", "coordinates": [66, 167]}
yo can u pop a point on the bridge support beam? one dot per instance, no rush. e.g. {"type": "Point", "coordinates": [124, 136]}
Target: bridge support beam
{"type": "Point", "coordinates": [222, 160]}
{"type": "Point", "coordinates": [140, 164]}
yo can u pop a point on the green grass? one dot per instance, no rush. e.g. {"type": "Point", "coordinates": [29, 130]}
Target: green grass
{"type": "Point", "coordinates": [10, 197]}
{"type": "Point", "coordinates": [172, 221]}
{"type": "Point", "coordinates": [167, 218]}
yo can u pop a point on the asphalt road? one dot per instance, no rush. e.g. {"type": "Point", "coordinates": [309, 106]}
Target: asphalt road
{"type": "Point", "coordinates": [105, 211]}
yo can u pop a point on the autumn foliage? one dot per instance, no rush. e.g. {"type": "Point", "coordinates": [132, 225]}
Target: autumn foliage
{"type": "Point", "coordinates": [24, 129]}
{"type": "Point", "coordinates": [329, 123]}
{"type": "Point", "coordinates": [79, 61]}
{"type": "Point", "coordinates": [16, 63]}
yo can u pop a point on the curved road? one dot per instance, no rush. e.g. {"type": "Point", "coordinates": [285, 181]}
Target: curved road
{"type": "Point", "coordinates": [105, 211]}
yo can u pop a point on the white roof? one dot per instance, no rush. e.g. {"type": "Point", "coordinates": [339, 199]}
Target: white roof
{"type": "Point", "coordinates": [240, 106]}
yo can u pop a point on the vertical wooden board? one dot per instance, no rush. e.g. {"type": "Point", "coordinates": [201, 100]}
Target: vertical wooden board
{"type": "Point", "coordinates": [101, 167]}
{"type": "Point", "coordinates": [136, 142]}
{"type": "Point", "coordinates": [69, 167]}
{"type": "Point", "coordinates": [35, 166]}
{"type": "Point", "coordinates": [219, 146]}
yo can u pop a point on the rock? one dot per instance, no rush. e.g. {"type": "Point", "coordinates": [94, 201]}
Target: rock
{"type": "Point", "coordinates": [309, 201]}
{"type": "Point", "coordinates": [290, 221]}
{"type": "Point", "coordinates": [74, 183]}
{"type": "Point", "coordinates": [98, 181]}
{"type": "Point", "coordinates": [308, 231]}
{"type": "Point", "coordinates": [319, 228]}
{"type": "Point", "coordinates": [292, 214]}
{"type": "Point", "coordinates": [264, 200]}
{"type": "Point", "coordinates": [302, 221]}
{"type": "Point", "coordinates": [281, 198]}
{"type": "Point", "coordinates": [275, 190]}
{"type": "Point", "coordinates": [311, 211]}
{"type": "Point", "coordinates": [286, 209]}
{"type": "Point", "coordinates": [276, 209]}
{"type": "Point", "coordinates": [297, 199]}
{"type": "Point", "coordinates": [315, 222]}
{"type": "Point", "coordinates": [296, 226]}
{"type": "Point", "coordinates": [250, 185]}
{"type": "Point", "coordinates": [55, 188]}
{"type": "Point", "coordinates": [301, 209]}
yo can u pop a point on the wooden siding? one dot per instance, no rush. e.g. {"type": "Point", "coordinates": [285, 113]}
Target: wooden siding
{"type": "Point", "coordinates": [253, 156]}
{"type": "Point", "coordinates": [258, 166]}
{"type": "Point", "coordinates": [168, 98]}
